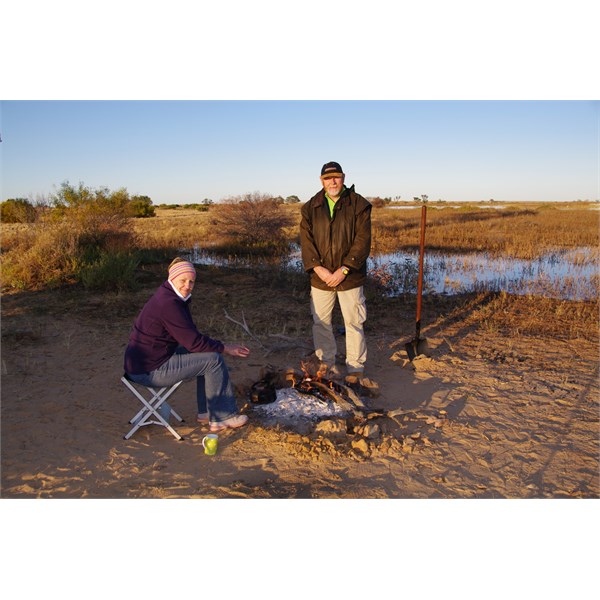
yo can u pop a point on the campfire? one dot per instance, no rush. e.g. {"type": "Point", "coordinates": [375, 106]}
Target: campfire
{"type": "Point", "coordinates": [309, 403]}
{"type": "Point", "coordinates": [276, 386]}
{"type": "Point", "coordinates": [326, 389]}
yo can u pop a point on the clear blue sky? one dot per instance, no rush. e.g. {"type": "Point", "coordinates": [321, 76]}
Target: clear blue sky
{"type": "Point", "coordinates": [185, 151]}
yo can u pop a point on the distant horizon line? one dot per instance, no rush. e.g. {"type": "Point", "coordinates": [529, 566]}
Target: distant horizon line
{"type": "Point", "coordinates": [42, 199]}
{"type": "Point", "coordinates": [411, 202]}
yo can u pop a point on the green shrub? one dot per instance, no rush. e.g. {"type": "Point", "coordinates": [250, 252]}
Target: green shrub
{"type": "Point", "coordinates": [17, 210]}
{"type": "Point", "coordinates": [141, 207]}
{"type": "Point", "coordinates": [111, 272]}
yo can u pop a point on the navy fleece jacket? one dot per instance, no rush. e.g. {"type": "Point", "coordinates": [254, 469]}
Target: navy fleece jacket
{"type": "Point", "coordinates": [164, 323]}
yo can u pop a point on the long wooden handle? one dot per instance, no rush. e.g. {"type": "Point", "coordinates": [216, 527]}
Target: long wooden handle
{"type": "Point", "coordinates": [421, 252]}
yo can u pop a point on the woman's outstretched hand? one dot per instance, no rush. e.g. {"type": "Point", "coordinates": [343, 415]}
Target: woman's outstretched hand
{"type": "Point", "coordinates": [236, 350]}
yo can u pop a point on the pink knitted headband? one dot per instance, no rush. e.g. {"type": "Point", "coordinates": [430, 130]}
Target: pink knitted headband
{"type": "Point", "coordinates": [180, 268]}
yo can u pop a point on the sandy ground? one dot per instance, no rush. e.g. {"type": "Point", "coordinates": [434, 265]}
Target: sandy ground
{"type": "Point", "coordinates": [485, 416]}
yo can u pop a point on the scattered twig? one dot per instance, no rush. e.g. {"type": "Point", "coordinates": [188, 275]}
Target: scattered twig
{"type": "Point", "coordinates": [449, 344]}
{"type": "Point", "coordinates": [245, 327]}
{"type": "Point", "coordinates": [399, 412]}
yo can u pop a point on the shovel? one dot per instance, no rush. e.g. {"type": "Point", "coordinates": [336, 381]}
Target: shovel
{"type": "Point", "coordinates": [419, 345]}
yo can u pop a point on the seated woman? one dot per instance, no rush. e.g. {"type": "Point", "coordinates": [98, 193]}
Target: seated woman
{"type": "Point", "coordinates": [165, 347]}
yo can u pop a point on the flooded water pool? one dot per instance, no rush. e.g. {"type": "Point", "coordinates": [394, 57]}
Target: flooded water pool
{"type": "Point", "coordinates": [569, 275]}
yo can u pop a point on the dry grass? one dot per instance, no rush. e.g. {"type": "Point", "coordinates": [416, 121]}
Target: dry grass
{"type": "Point", "coordinates": [174, 228]}
{"type": "Point", "coordinates": [186, 228]}
{"type": "Point", "coordinates": [517, 231]}
{"type": "Point", "coordinates": [12, 233]}
{"type": "Point", "coordinates": [536, 316]}
{"type": "Point", "coordinates": [59, 246]}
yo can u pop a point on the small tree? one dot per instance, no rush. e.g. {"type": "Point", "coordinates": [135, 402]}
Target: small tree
{"type": "Point", "coordinates": [141, 207]}
{"type": "Point", "coordinates": [253, 220]}
{"type": "Point", "coordinates": [100, 217]}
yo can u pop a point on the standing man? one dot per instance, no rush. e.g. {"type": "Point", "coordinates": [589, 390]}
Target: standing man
{"type": "Point", "coordinates": [335, 233]}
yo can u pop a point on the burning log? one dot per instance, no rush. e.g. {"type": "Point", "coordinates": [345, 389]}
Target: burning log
{"type": "Point", "coordinates": [310, 386]}
{"type": "Point", "coordinates": [328, 389]}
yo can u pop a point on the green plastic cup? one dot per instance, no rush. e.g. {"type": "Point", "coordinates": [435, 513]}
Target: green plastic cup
{"type": "Point", "coordinates": [210, 443]}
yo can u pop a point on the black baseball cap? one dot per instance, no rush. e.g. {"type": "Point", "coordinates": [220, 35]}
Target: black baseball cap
{"type": "Point", "coordinates": [330, 169]}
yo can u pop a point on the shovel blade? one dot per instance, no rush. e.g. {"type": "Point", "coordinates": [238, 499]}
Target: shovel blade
{"type": "Point", "coordinates": [417, 347]}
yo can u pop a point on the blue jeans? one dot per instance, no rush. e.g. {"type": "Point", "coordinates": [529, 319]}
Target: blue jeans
{"type": "Point", "coordinates": [214, 391]}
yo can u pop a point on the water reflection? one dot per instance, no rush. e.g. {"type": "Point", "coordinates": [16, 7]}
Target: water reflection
{"type": "Point", "coordinates": [570, 275]}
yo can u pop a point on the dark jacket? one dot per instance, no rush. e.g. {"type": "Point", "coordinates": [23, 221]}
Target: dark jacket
{"type": "Point", "coordinates": [344, 239]}
{"type": "Point", "coordinates": [164, 323]}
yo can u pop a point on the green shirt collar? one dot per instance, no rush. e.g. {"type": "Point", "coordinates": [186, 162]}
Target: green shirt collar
{"type": "Point", "coordinates": [331, 203]}
{"type": "Point", "coordinates": [330, 200]}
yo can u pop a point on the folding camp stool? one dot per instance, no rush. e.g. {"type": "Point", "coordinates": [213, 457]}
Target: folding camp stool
{"type": "Point", "coordinates": [149, 415]}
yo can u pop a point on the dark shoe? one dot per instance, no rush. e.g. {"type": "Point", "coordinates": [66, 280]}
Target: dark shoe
{"type": "Point", "coordinates": [353, 378]}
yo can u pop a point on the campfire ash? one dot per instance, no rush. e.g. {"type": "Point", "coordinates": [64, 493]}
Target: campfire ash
{"type": "Point", "coordinates": [292, 407]}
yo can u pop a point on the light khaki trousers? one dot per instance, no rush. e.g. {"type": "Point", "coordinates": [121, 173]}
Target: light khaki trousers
{"type": "Point", "coordinates": [354, 310]}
